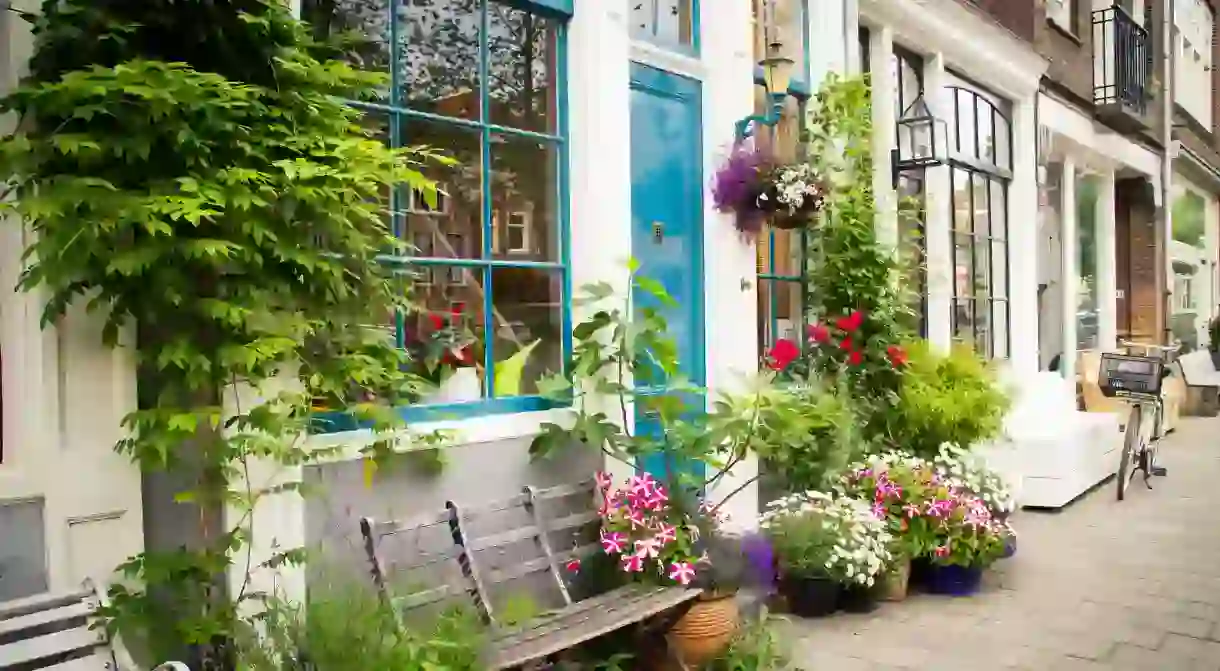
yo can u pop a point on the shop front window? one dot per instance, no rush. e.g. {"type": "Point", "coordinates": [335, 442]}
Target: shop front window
{"type": "Point", "coordinates": [981, 171]}
{"type": "Point", "coordinates": [481, 81]}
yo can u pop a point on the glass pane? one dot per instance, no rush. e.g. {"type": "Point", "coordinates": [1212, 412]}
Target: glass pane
{"type": "Point", "coordinates": [999, 209]}
{"type": "Point", "coordinates": [367, 22]}
{"type": "Point", "coordinates": [446, 337]}
{"type": "Point", "coordinates": [963, 258]}
{"type": "Point", "coordinates": [525, 198]}
{"type": "Point", "coordinates": [528, 327]}
{"type": "Point", "coordinates": [986, 136]}
{"type": "Point", "coordinates": [665, 22]}
{"type": "Point", "coordinates": [982, 268]}
{"type": "Point", "coordinates": [999, 318]}
{"type": "Point", "coordinates": [962, 216]}
{"type": "Point", "coordinates": [438, 58]}
{"type": "Point", "coordinates": [963, 108]}
{"type": "Point", "coordinates": [786, 250]}
{"type": "Point", "coordinates": [1003, 143]}
{"type": "Point", "coordinates": [982, 206]}
{"type": "Point", "coordinates": [963, 321]}
{"type": "Point", "coordinates": [1086, 249]}
{"type": "Point", "coordinates": [982, 327]}
{"type": "Point", "coordinates": [452, 227]}
{"type": "Point", "coordinates": [521, 57]}
{"type": "Point", "coordinates": [999, 269]}
{"type": "Point", "coordinates": [779, 312]}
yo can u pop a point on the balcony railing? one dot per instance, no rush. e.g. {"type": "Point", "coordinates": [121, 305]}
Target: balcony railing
{"type": "Point", "coordinates": [1122, 60]}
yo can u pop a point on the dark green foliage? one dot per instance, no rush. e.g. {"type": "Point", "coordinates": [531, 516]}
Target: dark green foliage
{"type": "Point", "coordinates": [190, 167]}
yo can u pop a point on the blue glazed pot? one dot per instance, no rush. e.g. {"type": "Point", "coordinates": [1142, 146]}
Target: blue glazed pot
{"type": "Point", "coordinates": [954, 580]}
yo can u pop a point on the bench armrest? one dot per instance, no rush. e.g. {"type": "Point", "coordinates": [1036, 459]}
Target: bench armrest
{"type": "Point", "coordinates": [172, 666]}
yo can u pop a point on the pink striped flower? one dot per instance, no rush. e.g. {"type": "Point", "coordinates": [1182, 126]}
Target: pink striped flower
{"type": "Point", "coordinates": [879, 511]}
{"type": "Point", "coordinates": [637, 520]}
{"type": "Point", "coordinates": [603, 480]}
{"type": "Point", "coordinates": [647, 548]}
{"type": "Point", "coordinates": [911, 510]}
{"type": "Point", "coordinates": [642, 485]}
{"type": "Point", "coordinates": [632, 563]}
{"type": "Point", "coordinates": [614, 542]}
{"type": "Point", "coordinates": [666, 534]}
{"type": "Point", "coordinates": [682, 572]}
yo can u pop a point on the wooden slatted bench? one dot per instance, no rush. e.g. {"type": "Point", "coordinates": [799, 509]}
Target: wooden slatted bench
{"type": "Point", "coordinates": [482, 553]}
{"type": "Point", "coordinates": [53, 632]}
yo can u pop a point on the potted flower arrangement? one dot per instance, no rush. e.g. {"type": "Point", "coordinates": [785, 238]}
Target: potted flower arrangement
{"type": "Point", "coordinates": [656, 536]}
{"type": "Point", "coordinates": [757, 189]}
{"type": "Point", "coordinates": [898, 487]}
{"type": "Point", "coordinates": [966, 540]}
{"type": "Point", "coordinates": [445, 353]}
{"type": "Point", "coordinates": [830, 551]}
{"type": "Point", "coordinates": [969, 472]}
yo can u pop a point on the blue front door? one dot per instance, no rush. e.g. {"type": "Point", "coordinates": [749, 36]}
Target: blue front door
{"type": "Point", "coordinates": [667, 217]}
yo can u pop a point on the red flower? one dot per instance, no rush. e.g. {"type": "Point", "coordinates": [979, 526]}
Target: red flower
{"type": "Point", "coordinates": [436, 321]}
{"type": "Point", "coordinates": [782, 353]}
{"type": "Point", "coordinates": [897, 355]}
{"type": "Point", "coordinates": [817, 333]}
{"type": "Point", "coordinates": [855, 358]}
{"type": "Point", "coordinates": [845, 345]}
{"type": "Point", "coordinates": [851, 322]}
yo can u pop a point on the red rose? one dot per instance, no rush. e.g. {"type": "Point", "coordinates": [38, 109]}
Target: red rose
{"type": "Point", "coordinates": [782, 353]}
{"type": "Point", "coordinates": [817, 333]}
{"type": "Point", "coordinates": [897, 355]}
{"type": "Point", "coordinates": [851, 322]}
{"type": "Point", "coordinates": [845, 345]}
{"type": "Point", "coordinates": [855, 358]}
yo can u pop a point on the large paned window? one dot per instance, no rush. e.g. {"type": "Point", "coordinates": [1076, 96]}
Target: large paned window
{"type": "Point", "coordinates": [482, 81]}
{"type": "Point", "coordinates": [980, 173]}
{"type": "Point", "coordinates": [781, 253]}
{"type": "Point", "coordinates": [907, 68]}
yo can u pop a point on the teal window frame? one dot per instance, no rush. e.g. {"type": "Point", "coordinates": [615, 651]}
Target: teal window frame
{"type": "Point", "coordinates": [769, 275]}
{"type": "Point", "coordinates": [395, 108]}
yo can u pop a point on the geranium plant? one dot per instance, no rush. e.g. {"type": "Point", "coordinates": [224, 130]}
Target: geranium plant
{"type": "Point", "coordinates": [442, 344]}
{"type": "Point", "coordinates": [756, 188]}
{"type": "Point", "coordinates": [839, 537]}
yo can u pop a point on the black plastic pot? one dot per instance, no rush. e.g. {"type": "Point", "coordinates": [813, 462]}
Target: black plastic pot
{"type": "Point", "coordinates": [858, 599]}
{"type": "Point", "coordinates": [810, 596]}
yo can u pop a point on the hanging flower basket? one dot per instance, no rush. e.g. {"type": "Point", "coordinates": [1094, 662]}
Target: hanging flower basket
{"type": "Point", "coordinates": [757, 189]}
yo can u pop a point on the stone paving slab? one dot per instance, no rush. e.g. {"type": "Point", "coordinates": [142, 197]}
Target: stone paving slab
{"type": "Point", "coordinates": [1097, 586]}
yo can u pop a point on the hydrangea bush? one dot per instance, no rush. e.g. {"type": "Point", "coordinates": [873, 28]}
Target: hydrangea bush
{"type": "Point", "coordinates": [838, 537]}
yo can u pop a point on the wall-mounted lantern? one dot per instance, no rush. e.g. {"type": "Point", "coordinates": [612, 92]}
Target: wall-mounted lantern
{"type": "Point", "coordinates": [922, 140]}
{"type": "Point", "coordinates": [775, 73]}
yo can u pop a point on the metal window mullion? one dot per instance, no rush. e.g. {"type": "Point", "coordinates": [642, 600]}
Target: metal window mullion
{"type": "Point", "coordinates": [990, 268]}
{"type": "Point", "coordinates": [1007, 279]}
{"type": "Point", "coordinates": [974, 318]}
{"type": "Point", "coordinates": [485, 172]}
{"type": "Point", "coordinates": [564, 227]}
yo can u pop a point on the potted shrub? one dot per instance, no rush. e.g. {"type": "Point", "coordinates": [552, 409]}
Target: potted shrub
{"type": "Point", "coordinates": [757, 189]}
{"type": "Point", "coordinates": [830, 551]}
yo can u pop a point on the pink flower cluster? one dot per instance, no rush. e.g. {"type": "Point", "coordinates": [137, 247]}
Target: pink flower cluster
{"type": "Point", "coordinates": [636, 526]}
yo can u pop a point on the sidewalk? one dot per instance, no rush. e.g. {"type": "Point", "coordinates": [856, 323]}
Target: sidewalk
{"type": "Point", "coordinates": [1098, 585]}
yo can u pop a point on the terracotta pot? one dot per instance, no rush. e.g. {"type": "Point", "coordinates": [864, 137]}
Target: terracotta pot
{"type": "Point", "coordinates": [706, 629]}
{"type": "Point", "coordinates": [894, 584]}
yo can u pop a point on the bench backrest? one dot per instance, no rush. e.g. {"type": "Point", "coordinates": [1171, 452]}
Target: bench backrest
{"type": "Point", "coordinates": [1197, 368]}
{"type": "Point", "coordinates": [53, 631]}
{"type": "Point", "coordinates": [496, 553]}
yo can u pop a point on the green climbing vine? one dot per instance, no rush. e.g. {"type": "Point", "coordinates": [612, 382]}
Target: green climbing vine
{"type": "Point", "coordinates": [191, 171]}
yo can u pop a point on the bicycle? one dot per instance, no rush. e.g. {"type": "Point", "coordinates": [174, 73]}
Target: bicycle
{"type": "Point", "coordinates": [1137, 380]}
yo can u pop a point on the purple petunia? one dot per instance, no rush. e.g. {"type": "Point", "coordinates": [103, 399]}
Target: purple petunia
{"type": "Point", "coordinates": [737, 184]}
{"type": "Point", "coordinates": [761, 559]}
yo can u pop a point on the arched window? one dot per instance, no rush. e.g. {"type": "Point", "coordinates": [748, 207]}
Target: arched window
{"type": "Point", "coordinates": [980, 158]}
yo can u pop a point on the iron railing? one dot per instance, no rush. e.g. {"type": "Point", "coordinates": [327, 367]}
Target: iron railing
{"type": "Point", "coordinates": [1122, 60]}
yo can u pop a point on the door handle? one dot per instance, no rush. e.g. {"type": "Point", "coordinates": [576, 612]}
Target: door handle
{"type": "Point", "coordinates": [658, 232]}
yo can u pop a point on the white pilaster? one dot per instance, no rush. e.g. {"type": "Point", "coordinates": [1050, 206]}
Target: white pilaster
{"type": "Point", "coordinates": [828, 43]}
{"type": "Point", "coordinates": [883, 81]}
{"type": "Point", "coordinates": [1107, 265]}
{"type": "Point", "coordinates": [939, 218]}
{"type": "Point", "coordinates": [1023, 238]}
{"type": "Point", "coordinates": [1070, 265]}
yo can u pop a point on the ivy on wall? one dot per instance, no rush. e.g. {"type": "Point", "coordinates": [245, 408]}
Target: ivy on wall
{"type": "Point", "coordinates": [190, 171]}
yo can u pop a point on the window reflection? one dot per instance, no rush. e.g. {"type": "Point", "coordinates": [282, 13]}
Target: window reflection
{"type": "Point", "coordinates": [667, 23]}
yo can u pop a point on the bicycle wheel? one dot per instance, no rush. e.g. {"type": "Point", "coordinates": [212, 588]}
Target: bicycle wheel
{"type": "Point", "coordinates": [1131, 445]}
{"type": "Point", "coordinates": [1149, 459]}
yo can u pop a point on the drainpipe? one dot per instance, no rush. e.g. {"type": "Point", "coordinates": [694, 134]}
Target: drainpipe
{"type": "Point", "coordinates": [1165, 233]}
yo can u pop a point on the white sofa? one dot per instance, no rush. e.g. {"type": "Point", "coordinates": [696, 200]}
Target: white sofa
{"type": "Point", "coordinates": [1053, 453]}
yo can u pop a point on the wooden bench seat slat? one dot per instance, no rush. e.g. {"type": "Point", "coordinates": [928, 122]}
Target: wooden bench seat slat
{"type": "Point", "coordinates": [46, 647]}
{"type": "Point", "coordinates": [72, 615]}
{"type": "Point", "coordinates": [89, 663]}
{"type": "Point", "coordinates": [517, 571]}
{"type": "Point", "coordinates": [564, 631]}
{"type": "Point", "coordinates": [572, 521]}
{"type": "Point", "coordinates": [392, 527]}
{"type": "Point", "coordinates": [33, 604]}
{"type": "Point", "coordinates": [427, 597]}
{"type": "Point", "coordinates": [426, 559]}
{"type": "Point", "coordinates": [502, 539]}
